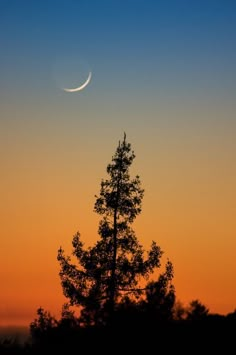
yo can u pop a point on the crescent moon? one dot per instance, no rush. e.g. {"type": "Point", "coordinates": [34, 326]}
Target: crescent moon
{"type": "Point", "coordinates": [79, 88]}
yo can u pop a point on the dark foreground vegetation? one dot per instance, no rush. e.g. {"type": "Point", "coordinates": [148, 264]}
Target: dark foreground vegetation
{"type": "Point", "coordinates": [122, 309]}
{"type": "Point", "coordinates": [133, 332]}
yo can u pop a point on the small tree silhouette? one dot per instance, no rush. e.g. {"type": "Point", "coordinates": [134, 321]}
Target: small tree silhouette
{"type": "Point", "coordinates": [197, 311]}
{"type": "Point", "coordinates": [115, 267]}
{"type": "Point", "coordinates": [42, 325]}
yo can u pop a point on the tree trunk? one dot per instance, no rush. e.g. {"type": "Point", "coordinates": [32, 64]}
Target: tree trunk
{"type": "Point", "coordinates": [113, 268]}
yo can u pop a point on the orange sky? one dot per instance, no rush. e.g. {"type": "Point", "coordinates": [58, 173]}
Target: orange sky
{"type": "Point", "coordinates": [188, 208]}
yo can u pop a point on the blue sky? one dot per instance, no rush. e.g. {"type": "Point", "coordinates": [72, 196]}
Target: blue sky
{"type": "Point", "coordinates": [163, 45]}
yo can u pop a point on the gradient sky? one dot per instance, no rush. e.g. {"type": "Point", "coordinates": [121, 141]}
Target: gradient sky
{"type": "Point", "coordinates": [163, 72]}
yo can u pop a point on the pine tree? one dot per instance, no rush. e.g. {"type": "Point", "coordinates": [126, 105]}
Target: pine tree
{"type": "Point", "coordinates": [113, 269]}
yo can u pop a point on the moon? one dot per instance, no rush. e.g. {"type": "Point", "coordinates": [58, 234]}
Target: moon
{"type": "Point", "coordinates": [81, 87]}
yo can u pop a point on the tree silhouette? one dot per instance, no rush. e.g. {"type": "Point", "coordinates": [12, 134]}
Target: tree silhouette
{"type": "Point", "coordinates": [197, 310]}
{"type": "Point", "coordinates": [42, 326]}
{"type": "Point", "coordinates": [117, 266]}
{"type": "Point", "coordinates": [160, 296]}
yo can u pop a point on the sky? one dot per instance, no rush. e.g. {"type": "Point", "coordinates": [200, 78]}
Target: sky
{"type": "Point", "coordinates": [164, 73]}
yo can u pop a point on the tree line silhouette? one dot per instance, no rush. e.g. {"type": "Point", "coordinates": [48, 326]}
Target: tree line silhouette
{"type": "Point", "coordinates": [126, 304]}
